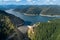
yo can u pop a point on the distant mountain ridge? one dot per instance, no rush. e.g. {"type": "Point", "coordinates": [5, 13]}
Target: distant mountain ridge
{"type": "Point", "coordinates": [42, 9]}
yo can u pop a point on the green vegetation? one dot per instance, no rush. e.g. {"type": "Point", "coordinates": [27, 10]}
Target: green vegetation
{"type": "Point", "coordinates": [55, 20]}
{"type": "Point", "coordinates": [31, 10]}
{"type": "Point", "coordinates": [15, 20]}
{"type": "Point", "coordinates": [47, 31]}
{"type": "Point", "coordinates": [53, 10]}
{"type": "Point", "coordinates": [21, 9]}
{"type": "Point", "coordinates": [34, 10]}
{"type": "Point", "coordinates": [7, 28]}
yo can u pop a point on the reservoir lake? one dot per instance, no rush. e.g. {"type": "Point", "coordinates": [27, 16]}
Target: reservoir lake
{"type": "Point", "coordinates": [30, 19]}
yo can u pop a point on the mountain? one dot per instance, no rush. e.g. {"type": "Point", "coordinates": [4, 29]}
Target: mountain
{"type": "Point", "coordinates": [16, 20]}
{"type": "Point", "coordinates": [8, 31]}
{"type": "Point", "coordinates": [34, 10]}
{"type": "Point", "coordinates": [51, 10]}
{"type": "Point", "coordinates": [39, 9]}
{"type": "Point", "coordinates": [22, 8]}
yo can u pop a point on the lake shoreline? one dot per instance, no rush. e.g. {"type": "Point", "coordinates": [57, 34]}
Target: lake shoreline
{"type": "Point", "coordinates": [50, 15]}
{"type": "Point", "coordinates": [30, 14]}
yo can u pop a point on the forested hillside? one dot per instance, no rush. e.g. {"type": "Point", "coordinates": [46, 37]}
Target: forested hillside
{"type": "Point", "coordinates": [8, 30]}
{"type": "Point", "coordinates": [46, 31]}
{"type": "Point", "coordinates": [52, 11]}
{"type": "Point", "coordinates": [43, 9]}
{"type": "Point", "coordinates": [34, 10]}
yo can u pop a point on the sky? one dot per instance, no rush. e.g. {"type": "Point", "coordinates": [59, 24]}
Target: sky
{"type": "Point", "coordinates": [29, 2]}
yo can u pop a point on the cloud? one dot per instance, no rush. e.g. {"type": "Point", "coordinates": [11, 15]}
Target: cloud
{"type": "Point", "coordinates": [51, 3]}
{"type": "Point", "coordinates": [6, 0]}
{"type": "Point", "coordinates": [54, 0]}
{"type": "Point", "coordinates": [47, 0]}
{"type": "Point", "coordinates": [38, 0]}
{"type": "Point", "coordinates": [29, 0]}
{"type": "Point", "coordinates": [32, 2]}
{"type": "Point", "coordinates": [18, 0]}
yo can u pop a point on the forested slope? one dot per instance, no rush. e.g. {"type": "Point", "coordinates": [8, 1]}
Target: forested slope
{"type": "Point", "coordinates": [8, 30]}
{"type": "Point", "coordinates": [46, 31]}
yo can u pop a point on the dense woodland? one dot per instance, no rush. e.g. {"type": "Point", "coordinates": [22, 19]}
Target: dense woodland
{"type": "Point", "coordinates": [46, 31]}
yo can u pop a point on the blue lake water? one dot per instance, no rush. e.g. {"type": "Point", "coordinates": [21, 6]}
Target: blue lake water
{"type": "Point", "coordinates": [32, 19]}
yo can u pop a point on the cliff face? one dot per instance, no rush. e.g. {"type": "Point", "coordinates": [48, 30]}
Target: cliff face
{"type": "Point", "coordinates": [7, 29]}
